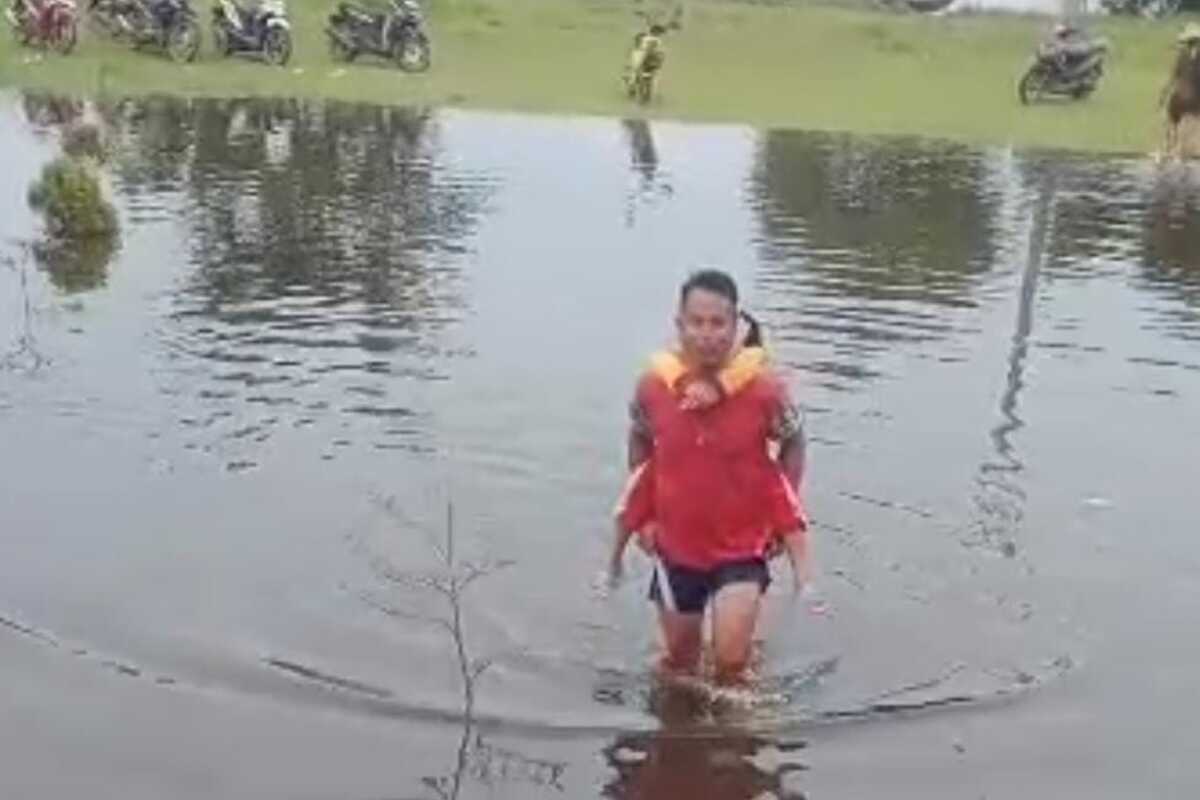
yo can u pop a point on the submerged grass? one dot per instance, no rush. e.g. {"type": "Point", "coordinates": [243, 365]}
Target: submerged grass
{"type": "Point", "coordinates": [809, 66]}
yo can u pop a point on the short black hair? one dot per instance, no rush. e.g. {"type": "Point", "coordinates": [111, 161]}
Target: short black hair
{"type": "Point", "coordinates": [718, 282]}
{"type": "Point", "coordinates": [710, 280]}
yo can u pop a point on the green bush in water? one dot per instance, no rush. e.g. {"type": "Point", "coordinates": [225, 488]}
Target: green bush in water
{"type": "Point", "coordinates": [78, 265]}
{"type": "Point", "coordinates": [84, 141]}
{"type": "Point", "coordinates": [81, 225]}
{"type": "Point", "coordinates": [71, 198]}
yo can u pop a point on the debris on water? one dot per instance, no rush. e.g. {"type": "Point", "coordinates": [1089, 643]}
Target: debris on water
{"type": "Point", "coordinates": [1009, 549]}
{"type": "Point", "coordinates": [960, 748]}
{"type": "Point", "coordinates": [240, 466]}
{"type": "Point", "coordinates": [1063, 662]}
{"type": "Point", "coordinates": [1098, 502]}
{"type": "Point", "coordinates": [123, 669]}
{"type": "Point", "coordinates": [608, 695]}
{"type": "Point", "coordinates": [848, 578]}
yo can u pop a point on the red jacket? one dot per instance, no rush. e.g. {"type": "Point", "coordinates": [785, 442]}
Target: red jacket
{"type": "Point", "coordinates": [711, 484]}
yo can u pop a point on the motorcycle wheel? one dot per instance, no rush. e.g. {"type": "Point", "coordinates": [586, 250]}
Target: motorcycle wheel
{"type": "Point", "coordinates": [1158, 9]}
{"type": "Point", "coordinates": [277, 46]}
{"type": "Point", "coordinates": [1087, 84]}
{"type": "Point", "coordinates": [183, 41]}
{"type": "Point", "coordinates": [20, 30]}
{"type": "Point", "coordinates": [339, 51]}
{"type": "Point", "coordinates": [411, 52]}
{"type": "Point", "coordinates": [64, 33]}
{"type": "Point", "coordinates": [1030, 87]}
{"type": "Point", "coordinates": [643, 87]}
{"type": "Point", "coordinates": [220, 39]}
{"type": "Point", "coordinates": [98, 22]}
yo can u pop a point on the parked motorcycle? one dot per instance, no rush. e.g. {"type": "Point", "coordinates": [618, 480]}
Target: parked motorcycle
{"type": "Point", "coordinates": [1150, 9]}
{"type": "Point", "coordinates": [398, 34]}
{"type": "Point", "coordinates": [645, 60]}
{"type": "Point", "coordinates": [263, 31]}
{"type": "Point", "coordinates": [1067, 66]}
{"type": "Point", "coordinates": [167, 25]}
{"type": "Point", "coordinates": [46, 23]}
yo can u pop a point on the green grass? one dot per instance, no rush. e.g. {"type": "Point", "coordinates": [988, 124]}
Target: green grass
{"type": "Point", "coordinates": [812, 66]}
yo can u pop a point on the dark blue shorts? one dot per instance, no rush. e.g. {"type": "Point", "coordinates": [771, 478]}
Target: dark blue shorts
{"type": "Point", "coordinates": [692, 588]}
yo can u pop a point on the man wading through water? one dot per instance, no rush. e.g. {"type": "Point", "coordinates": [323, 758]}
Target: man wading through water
{"type": "Point", "coordinates": [716, 487]}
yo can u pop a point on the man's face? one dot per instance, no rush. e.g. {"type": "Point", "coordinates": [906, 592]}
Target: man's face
{"type": "Point", "coordinates": [707, 325]}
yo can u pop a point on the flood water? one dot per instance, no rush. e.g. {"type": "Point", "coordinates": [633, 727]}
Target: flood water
{"type": "Point", "coordinates": [232, 447]}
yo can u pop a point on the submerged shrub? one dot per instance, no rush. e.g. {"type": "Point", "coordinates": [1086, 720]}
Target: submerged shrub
{"type": "Point", "coordinates": [84, 140]}
{"type": "Point", "coordinates": [81, 225]}
{"type": "Point", "coordinates": [70, 196]}
{"type": "Point", "coordinates": [76, 265]}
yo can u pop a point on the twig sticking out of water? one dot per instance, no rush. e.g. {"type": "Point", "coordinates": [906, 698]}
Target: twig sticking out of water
{"type": "Point", "coordinates": [449, 581]}
{"type": "Point", "coordinates": [23, 354]}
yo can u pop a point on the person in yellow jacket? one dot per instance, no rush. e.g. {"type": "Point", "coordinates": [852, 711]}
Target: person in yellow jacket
{"type": "Point", "coordinates": [645, 60]}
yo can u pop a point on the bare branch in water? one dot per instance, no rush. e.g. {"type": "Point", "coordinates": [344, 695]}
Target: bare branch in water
{"type": "Point", "coordinates": [23, 355]}
{"type": "Point", "coordinates": [479, 666]}
{"type": "Point", "coordinates": [450, 581]}
{"type": "Point", "coordinates": [397, 613]}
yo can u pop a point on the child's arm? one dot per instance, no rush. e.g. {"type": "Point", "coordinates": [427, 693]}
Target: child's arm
{"type": "Point", "coordinates": [699, 393]}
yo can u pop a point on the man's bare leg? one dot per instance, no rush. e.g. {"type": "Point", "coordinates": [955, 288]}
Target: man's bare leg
{"type": "Point", "coordinates": [683, 637]}
{"type": "Point", "coordinates": [1170, 140]}
{"type": "Point", "coordinates": [735, 612]}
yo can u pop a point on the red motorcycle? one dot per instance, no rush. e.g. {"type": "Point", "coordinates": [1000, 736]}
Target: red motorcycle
{"type": "Point", "coordinates": [46, 23]}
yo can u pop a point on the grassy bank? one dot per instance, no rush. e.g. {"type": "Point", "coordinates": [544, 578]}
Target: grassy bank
{"type": "Point", "coordinates": [816, 67]}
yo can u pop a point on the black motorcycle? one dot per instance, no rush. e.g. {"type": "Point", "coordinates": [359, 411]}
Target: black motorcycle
{"type": "Point", "coordinates": [168, 25]}
{"type": "Point", "coordinates": [1070, 68]}
{"type": "Point", "coordinates": [263, 31]}
{"type": "Point", "coordinates": [398, 35]}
